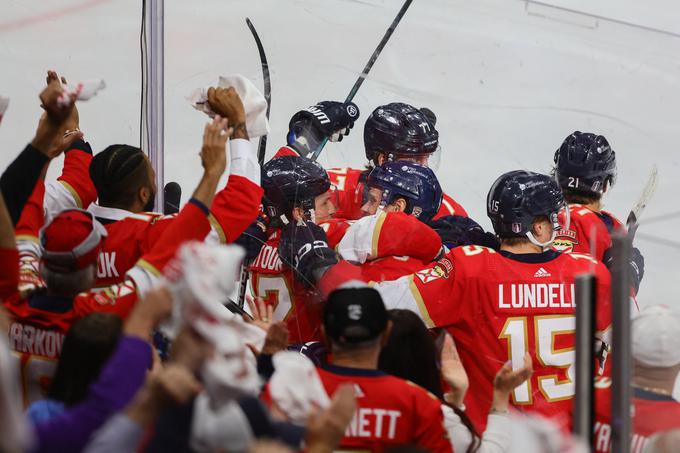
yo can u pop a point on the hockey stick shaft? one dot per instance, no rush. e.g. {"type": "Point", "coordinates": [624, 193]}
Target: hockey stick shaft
{"type": "Point", "coordinates": [633, 220]}
{"type": "Point", "coordinates": [261, 148]}
{"type": "Point", "coordinates": [369, 65]}
{"type": "Point", "coordinates": [267, 86]}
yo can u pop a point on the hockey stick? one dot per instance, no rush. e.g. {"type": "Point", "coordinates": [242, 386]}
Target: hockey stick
{"type": "Point", "coordinates": [633, 221]}
{"type": "Point", "coordinates": [243, 279]}
{"type": "Point", "coordinates": [369, 65]}
{"type": "Point", "coordinates": [267, 87]}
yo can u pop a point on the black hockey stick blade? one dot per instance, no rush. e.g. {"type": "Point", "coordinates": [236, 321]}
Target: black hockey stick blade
{"type": "Point", "coordinates": [369, 65]}
{"type": "Point", "coordinates": [267, 87]}
{"type": "Point", "coordinates": [172, 194]}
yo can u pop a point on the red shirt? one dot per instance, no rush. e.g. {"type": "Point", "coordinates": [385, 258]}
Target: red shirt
{"type": "Point", "coordinates": [132, 235]}
{"type": "Point", "coordinates": [390, 412]}
{"type": "Point", "coordinates": [651, 413]}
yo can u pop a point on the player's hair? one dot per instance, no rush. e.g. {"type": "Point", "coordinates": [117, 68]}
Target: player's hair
{"type": "Point", "coordinates": [118, 173]}
{"type": "Point", "coordinates": [358, 346]}
{"type": "Point", "coordinates": [573, 196]}
{"type": "Point", "coordinates": [87, 347]}
{"type": "Point", "coordinates": [69, 283]}
{"type": "Point", "coordinates": [411, 353]}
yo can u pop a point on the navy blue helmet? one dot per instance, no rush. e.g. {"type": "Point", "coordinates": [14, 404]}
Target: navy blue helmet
{"type": "Point", "coordinates": [585, 163]}
{"type": "Point", "coordinates": [517, 198]}
{"type": "Point", "coordinates": [400, 129]}
{"type": "Point", "coordinates": [417, 184]}
{"type": "Point", "coordinates": [291, 181]}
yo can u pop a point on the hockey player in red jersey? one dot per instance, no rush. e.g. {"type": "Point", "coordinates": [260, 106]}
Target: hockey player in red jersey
{"type": "Point", "coordinates": [585, 168]}
{"type": "Point", "coordinates": [394, 131]}
{"type": "Point", "coordinates": [656, 364]}
{"type": "Point", "coordinates": [390, 411]}
{"type": "Point", "coordinates": [69, 246]}
{"type": "Point", "coordinates": [497, 305]}
{"type": "Point", "coordinates": [402, 193]}
{"type": "Point", "coordinates": [295, 189]}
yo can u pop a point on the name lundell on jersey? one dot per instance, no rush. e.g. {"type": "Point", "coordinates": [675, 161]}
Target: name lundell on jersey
{"type": "Point", "coordinates": [535, 295]}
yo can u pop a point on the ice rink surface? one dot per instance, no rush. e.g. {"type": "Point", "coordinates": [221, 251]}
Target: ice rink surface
{"type": "Point", "coordinates": [508, 80]}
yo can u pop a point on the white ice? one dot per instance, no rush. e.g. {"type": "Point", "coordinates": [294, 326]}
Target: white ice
{"type": "Point", "coordinates": [508, 80]}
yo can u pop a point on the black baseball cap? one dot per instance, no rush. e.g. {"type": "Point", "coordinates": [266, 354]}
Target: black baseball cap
{"type": "Point", "coordinates": [354, 315]}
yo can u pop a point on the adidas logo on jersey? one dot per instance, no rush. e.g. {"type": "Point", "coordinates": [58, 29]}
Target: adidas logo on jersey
{"type": "Point", "coordinates": [542, 273]}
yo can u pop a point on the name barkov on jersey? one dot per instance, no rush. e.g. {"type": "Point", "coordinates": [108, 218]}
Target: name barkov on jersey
{"type": "Point", "coordinates": [536, 295]}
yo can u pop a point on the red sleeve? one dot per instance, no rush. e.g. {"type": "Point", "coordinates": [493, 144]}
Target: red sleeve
{"type": "Point", "coordinates": [33, 216]}
{"type": "Point", "coordinates": [235, 207]}
{"type": "Point", "coordinates": [117, 299]}
{"type": "Point", "coordinates": [430, 433]}
{"type": "Point", "coordinates": [9, 272]}
{"type": "Point", "coordinates": [191, 224]}
{"type": "Point", "coordinates": [604, 312]}
{"type": "Point", "coordinates": [337, 275]}
{"type": "Point", "coordinates": [75, 175]}
{"type": "Point", "coordinates": [404, 235]}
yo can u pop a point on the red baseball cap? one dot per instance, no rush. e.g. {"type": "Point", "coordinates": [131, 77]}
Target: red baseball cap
{"type": "Point", "coordinates": [71, 240]}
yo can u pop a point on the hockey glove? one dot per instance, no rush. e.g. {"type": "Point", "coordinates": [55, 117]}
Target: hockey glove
{"type": "Point", "coordinates": [636, 265]}
{"type": "Point", "coordinates": [333, 120]}
{"type": "Point", "coordinates": [455, 230]}
{"type": "Point", "coordinates": [304, 246]}
{"type": "Point", "coordinates": [253, 238]}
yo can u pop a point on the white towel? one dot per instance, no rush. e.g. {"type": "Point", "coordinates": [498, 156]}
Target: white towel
{"type": "Point", "coordinates": [254, 103]}
{"type": "Point", "coordinates": [295, 387]}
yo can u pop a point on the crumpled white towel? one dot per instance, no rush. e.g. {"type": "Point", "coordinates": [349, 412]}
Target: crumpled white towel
{"type": "Point", "coordinates": [295, 386]}
{"type": "Point", "coordinates": [254, 103]}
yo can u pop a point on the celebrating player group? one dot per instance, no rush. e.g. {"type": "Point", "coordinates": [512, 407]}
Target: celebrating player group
{"type": "Point", "coordinates": [379, 314]}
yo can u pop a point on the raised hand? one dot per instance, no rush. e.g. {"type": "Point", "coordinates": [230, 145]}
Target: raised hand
{"type": "Point", "coordinates": [453, 372]}
{"type": "Point", "coordinates": [507, 380]}
{"type": "Point", "coordinates": [213, 152]}
{"type": "Point", "coordinates": [227, 103]}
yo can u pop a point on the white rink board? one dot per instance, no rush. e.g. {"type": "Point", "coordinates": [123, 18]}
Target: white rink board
{"type": "Point", "coordinates": [507, 80]}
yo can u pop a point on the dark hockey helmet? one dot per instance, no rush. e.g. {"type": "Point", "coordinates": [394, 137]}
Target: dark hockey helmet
{"type": "Point", "coordinates": [415, 183]}
{"type": "Point", "coordinates": [585, 163]}
{"type": "Point", "coordinates": [291, 181]}
{"type": "Point", "coordinates": [400, 129]}
{"type": "Point", "coordinates": [517, 198]}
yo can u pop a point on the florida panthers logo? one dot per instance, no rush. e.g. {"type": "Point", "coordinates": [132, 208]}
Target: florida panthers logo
{"type": "Point", "coordinates": [442, 269]}
{"type": "Point", "coordinates": [565, 241]}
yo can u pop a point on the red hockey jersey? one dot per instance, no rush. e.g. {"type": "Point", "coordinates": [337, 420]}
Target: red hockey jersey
{"type": "Point", "coordinates": [651, 413]}
{"type": "Point", "coordinates": [293, 302]}
{"type": "Point", "coordinates": [390, 412]}
{"type": "Point", "coordinates": [40, 322]}
{"type": "Point", "coordinates": [498, 306]}
{"type": "Point", "coordinates": [589, 231]}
